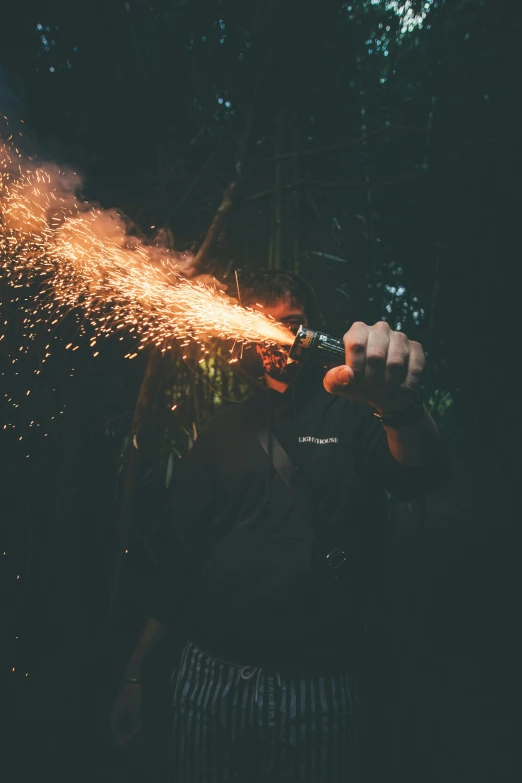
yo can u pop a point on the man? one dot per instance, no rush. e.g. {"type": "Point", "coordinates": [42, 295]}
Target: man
{"type": "Point", "coordinates": [266, 687]}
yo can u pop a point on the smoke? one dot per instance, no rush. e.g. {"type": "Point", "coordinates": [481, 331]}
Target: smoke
{"type": "Point", "coordinates": [42, 202]}
{"type": "Point", "coordinates": [42, 199]}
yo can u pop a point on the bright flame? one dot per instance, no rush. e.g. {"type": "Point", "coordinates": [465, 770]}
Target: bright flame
{"type": "Point", "coordinates": [88, 259]}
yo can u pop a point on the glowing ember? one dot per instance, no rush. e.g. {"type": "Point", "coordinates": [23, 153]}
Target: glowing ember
{"type": "Point", "coordinates": [87, 258]}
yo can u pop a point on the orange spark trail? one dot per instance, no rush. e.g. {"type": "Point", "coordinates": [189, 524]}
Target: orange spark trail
{"type": "Point", "coordinates": [87, 259]}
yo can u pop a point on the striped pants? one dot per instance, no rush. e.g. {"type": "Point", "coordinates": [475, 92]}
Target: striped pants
{"type": "Point", "coordinates": [237, 724]}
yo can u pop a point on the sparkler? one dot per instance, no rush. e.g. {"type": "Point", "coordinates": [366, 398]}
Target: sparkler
{"type": "Point", "coordinates": [88, 260]}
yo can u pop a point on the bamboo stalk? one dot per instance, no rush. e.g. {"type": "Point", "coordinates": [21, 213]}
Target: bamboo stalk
{"type": "Point", "coordinates": [278, 198]}
{"type": "Point", "coordinates": [295, 207]}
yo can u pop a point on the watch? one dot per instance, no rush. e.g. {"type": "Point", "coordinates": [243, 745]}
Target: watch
{"type": "Point", "coordinates": [407, 416]}
{"type": "Point", "coordinates": [402, 418]}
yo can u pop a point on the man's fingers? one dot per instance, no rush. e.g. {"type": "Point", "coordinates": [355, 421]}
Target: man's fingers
{"type": "Point", "coordinates": [380, 364]}
{"type": "Point", "coordinates": [397, 361]}
{"type": "Point", "coordinates": [416, 363]}
{"type": "Point", "coordinates": [338, 380]}
{"type": "Point", "coordinates": [376, 355]}
{"type": "Point", "coordinates": [355, 342]}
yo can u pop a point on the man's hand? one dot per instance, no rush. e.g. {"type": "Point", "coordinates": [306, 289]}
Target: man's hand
{"type": "Point", "coordinates": [125, 720]}
{"type": "Point", "coordinates": [383, 368]}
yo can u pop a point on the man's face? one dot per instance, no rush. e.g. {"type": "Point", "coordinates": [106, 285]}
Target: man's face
{"type": "Point", "coordinates": [292, 315]}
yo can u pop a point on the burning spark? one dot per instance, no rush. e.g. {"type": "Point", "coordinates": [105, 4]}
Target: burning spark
{"type": "Point", "coordinates": [88, 260]}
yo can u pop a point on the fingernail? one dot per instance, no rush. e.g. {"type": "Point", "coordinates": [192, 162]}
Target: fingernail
{"type": "Point", "coordinates": [344, 375]}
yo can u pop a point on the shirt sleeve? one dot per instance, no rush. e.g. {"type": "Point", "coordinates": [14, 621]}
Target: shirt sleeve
{"type": "Point", "coordinates": [183, 531]}
{"type": "Point", "coordinates": [404, 482]}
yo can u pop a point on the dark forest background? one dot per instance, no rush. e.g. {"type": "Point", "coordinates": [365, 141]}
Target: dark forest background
{"type": "Point", "coordinates": [371, 146]}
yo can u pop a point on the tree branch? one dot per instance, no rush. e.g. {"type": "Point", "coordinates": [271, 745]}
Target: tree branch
{"type": "Point", "coordinates": [122, 534]}
{"type": "Point", "coordinates": [347, 144]}
{"type": "Point", "coordinates": [377, 185]}
{"type": "Point", "coordinates": [216, 227]}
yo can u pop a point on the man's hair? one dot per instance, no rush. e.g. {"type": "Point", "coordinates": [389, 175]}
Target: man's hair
{"type": "Point", "coordinates": [271, 285]}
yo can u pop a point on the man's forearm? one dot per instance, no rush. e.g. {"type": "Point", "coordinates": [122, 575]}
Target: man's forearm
{"type": "Point", "coordinates": [151, 634]}
{"type": "Point", "coordinates": [416, 443]}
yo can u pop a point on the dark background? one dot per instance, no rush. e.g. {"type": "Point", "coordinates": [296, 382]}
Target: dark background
{"type": "Point", "coordinates": [379, 150]}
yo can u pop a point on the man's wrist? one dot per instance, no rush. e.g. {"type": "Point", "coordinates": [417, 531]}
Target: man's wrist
{"type": "Point", "coordinates": [408, 413]}
{"type": "Point", "coordinates": [401, 418]}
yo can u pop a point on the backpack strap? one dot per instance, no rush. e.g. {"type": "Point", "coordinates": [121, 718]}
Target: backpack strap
{"type": "Point", "coordinates": [280, 459]}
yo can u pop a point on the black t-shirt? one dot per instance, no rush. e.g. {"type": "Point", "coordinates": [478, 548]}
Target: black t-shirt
{"type": "Point", "coordinates": [243, 574]}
